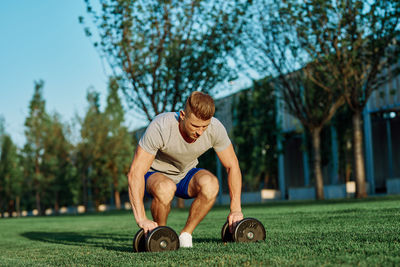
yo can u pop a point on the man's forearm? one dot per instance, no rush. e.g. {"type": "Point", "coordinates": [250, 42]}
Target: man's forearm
{"type": "Point", "coordinates": [136, 193]}
{"type": "Point", "coordinates": [235, 188]}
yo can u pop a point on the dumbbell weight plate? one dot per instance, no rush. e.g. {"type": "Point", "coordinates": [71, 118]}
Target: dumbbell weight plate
{"type": "Point", "coordinates": [162, 238]}
{"type": "Point", "coordinates": [139, 242]}
{"type": "Point", "coordinates": [249, 230]}
{"type": "Point", "coordinates": [226, 235]}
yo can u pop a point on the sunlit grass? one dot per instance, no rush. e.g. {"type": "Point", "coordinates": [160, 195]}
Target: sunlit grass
{"type": "Point", "coordinates": [346, 232]}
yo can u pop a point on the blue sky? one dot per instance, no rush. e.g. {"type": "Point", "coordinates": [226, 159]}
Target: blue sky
{"type": "Point", "coordinates": [44, 40]}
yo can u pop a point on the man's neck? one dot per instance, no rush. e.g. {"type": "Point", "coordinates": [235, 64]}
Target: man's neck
{"type": "Point", "coordinates": [183, 134]}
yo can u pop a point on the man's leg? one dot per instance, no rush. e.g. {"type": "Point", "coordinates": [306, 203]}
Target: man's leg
{"type": "Point", "coordinates": [204, 188]}
{"type": "Point", "coordinates": [163, 190]}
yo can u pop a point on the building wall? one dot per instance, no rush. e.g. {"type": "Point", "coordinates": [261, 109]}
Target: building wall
{"type": "Point", "coordinates": [386, 97]}
{"type": "Point", "coordinates": [294, 171]}
{"type": "Point", "coordinates": [383, 107]}
{"type": "Point", "coordinates": [381, 150]}
{"type": "Point", "coordinates": [395, 127]}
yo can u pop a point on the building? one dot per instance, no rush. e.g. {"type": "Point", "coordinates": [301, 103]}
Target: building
{"type": "Point", "coordinates": [381, 148]}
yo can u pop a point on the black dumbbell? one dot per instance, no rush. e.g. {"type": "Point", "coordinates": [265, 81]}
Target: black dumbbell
{"type": "Point", "coordinates": [162, 238]}
{"type": "Point", "coordinates": [246, 230]}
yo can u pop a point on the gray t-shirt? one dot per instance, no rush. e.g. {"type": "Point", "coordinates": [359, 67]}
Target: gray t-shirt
{"type": "Point", "coordinates": [174, 157]}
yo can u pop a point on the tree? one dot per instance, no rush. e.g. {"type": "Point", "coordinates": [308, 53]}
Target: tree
{"type": "Point", "coordinates": [271, 45]}
{"type": "Point", "coordinates": [105, 151]}
{"type": "Point", "coordinates": [254, 134]}
{"type": "Point", "coordinates": [368, 48]}
{"type": "Point", "coordinates": [358, 43]}
{"type": "Point", "coordinates": [92, 154]}
{"type": "Point", "coordinates": [85, 154]}
{"type": "Point", "coordinates": [28, 166]}
{"type": "Point", "coordinates": [163, 50]}
{"type": "Point", "coordinates": [10, 176]}
{"type": "Point", "coordinates": [119, 145]}
{"type": "Point", "coordinates": [35, 124]}
{"type": "Point", "coordinates": [59, 172]}
{"type": "Point", "coordinates": [47, 162]}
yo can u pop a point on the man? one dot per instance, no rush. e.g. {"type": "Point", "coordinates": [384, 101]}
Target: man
{"type": "Point", "coordinates": [165, 162]}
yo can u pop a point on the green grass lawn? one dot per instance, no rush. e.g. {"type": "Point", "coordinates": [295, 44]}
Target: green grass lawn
{"type": "Point", "coordinates": [345, 232]}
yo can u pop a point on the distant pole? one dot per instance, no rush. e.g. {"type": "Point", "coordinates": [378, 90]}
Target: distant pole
{"type": "Point", "coordinates": [219, 176]}
{"type": "Point", "coordinates": [335, 156]}
{"type": "Point", "coordinates": [112, 200]}
{"type": "Point", "coordinates": [279, 139]}
{"type": "Point", "coordinates": [369, 157]}
{"type": "Point", "coordinates": [90, 198]}
{"type": "Point", "coordinates": [389, 146]}
{"type": "Point", "coordinates": [281, 167]}
{"type": "Point", "coordinates": [306, 168]}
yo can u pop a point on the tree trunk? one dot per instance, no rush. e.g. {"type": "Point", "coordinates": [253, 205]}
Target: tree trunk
{"type": "Point", "coordinates": [37, 196]}
{"type": "Point", "coordinates": [266, 179]}
{"type": "Point", "coordinates": [84, 192]}
{"type": "Point", "coordinates": [96, 195]}
{"type": "Point", "coordinates": [18, 205]}
{"type": "Point", "coordinates": [117, 200]}
{"type": "Point", "coordinates": [181, 203]}
{"type": "Point", "coordinates": [56, 203]}
{"type": "Point", "coordinates": [37, 183]}
{"type": "Point", "coordinates": [11, 206]}
{"type": "Point", "coordinates": [359, 156]}
{"type": "Point", "coordinates": [319, 182]}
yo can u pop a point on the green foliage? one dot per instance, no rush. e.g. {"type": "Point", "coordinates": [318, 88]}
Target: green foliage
{"type": "Point", "coordinates": [119, 142]}
{"type": "Point", "coordinates": [254, 134]}
{"type": "Point", "coordinates": [28, 163]}
{"type": "Point", "coordinates": [105, 151]}
{"type": "Point", "coordinates": [11, 180]}
{"type": "Point", "coordinates": [48, 168]}
{"type": "Point", "coordinates": [37, 119]}
{"type": "Point", "coordinates": [164, 50]}
{"type": "Point", "coordinates": [35, 124]}
{"type": "Point", "coordinates": [91, 153]}
{"type": "Point", "coordinates": [324, 233]}
{"type": "Point", "coordinates": [51, 172]}
{"type": "Point", "coordinates": [61, 186]}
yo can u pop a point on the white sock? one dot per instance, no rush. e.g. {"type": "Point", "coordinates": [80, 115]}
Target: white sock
{"type": "Point", "coordinates": [185, 240]}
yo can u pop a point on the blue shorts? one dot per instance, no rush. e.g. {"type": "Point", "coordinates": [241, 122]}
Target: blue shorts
{"type": "Point", "coordinates": [181, 187]}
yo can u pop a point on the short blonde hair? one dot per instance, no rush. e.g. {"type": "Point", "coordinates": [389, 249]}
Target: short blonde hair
{"type": "Point", "coordinates": [201, 105]}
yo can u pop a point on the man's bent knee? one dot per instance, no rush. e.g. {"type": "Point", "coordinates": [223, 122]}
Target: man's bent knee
{"type": "Point", "coordinates": [208, 186]}
{"type": "Point", "coordinates": [163, 190]}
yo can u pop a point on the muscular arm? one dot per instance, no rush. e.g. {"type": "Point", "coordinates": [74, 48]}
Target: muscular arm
{"type": "Point", "coordinates": [230, 162]}
{"type": "Point", "coordinates": [140, 165]}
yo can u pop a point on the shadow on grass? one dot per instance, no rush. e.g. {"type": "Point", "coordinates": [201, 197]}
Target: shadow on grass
{"type": "Point", "coordinates": [100, 240]}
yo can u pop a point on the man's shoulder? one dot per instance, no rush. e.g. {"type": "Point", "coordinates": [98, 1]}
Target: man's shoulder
{"type": "Point", "coordinates": [216, 123]}
{"type": "Point", "coordinates": [158, 132]}
{"type": "Point", "coordinates": [166, 118]}
{"type": "Point", "coordinates": [215, 127]}
{"type": "Point", "coordinates": [218, 135]}
{"type": "Point", "coordinates": [163, 123]}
